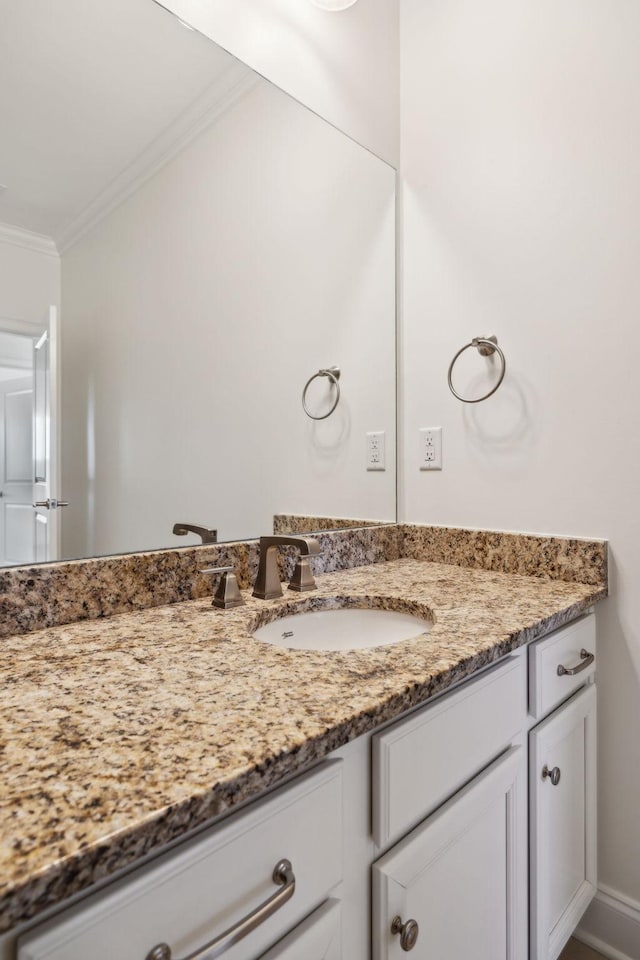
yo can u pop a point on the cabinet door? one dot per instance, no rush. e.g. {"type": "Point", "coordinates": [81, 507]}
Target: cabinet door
{"type": "Point", "coordinates": [461, 874]}
{"type": "Point", "coordinates": [316, 938]}
{"type": "Point", "coordinates": [563, 822]}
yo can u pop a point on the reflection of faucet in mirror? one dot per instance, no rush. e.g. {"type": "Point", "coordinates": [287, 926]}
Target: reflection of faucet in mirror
{"type": "Point", "coordinates": [207, 535]}
{"type": "Point", "coordinates": [268, 586]}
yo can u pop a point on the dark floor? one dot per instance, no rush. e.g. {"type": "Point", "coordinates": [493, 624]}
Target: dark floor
{"type": "Point", "coordinates": [575, 950]}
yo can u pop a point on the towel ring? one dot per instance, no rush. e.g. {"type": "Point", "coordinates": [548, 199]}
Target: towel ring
{"type": "Point", "coordinates": [486, 346]}
{"type": "Point", "coordinates": [333, 373]}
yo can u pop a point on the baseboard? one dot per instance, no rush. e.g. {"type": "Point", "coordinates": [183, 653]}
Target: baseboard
{"type": "Point", "coordinates": [611, 925]}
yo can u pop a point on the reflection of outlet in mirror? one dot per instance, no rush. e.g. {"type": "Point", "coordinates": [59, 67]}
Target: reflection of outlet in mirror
{"type": "Point", "coordinates": [375, 451]}
{"type": "Point", "coordinates": [430, 448]}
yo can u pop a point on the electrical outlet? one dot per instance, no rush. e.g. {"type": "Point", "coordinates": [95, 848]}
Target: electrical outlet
{"type": "Point", "coordinates": [430, 448]}
{"type": "Point", "coordinates": [375, 451]}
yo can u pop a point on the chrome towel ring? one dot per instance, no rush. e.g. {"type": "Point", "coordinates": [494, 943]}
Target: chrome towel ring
{"type": "Point", "coordinates": [486, 346]}
{"type": "Point", "coordinates": [333, 373]}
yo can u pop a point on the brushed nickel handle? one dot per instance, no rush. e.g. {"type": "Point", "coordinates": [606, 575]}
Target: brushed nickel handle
{"type": "Point", "coordinates": [51, 503]}
{"type": "Point", "coordinates": [228, 593]}
{"type": "Point", "coordinates": [408, 932]}
{"type": "Point", "coordinates": [586, 658]}
{"type": "Point", "coordinates": [553, 775]}
{"type": "Point", "coordinates": [283, 876]}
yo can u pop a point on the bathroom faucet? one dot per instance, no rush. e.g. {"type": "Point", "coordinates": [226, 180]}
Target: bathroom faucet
{"type": "Point", "coordinates": [207, 535]}
{"type": "Point", "coordinates": [268, 586]}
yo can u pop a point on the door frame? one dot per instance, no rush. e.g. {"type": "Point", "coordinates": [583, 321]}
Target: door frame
{"type": "Point", "coordinates": [33, 330]}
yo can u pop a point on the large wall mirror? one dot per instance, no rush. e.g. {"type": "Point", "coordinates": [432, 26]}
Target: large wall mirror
{"type": "Point", "coordinates": [182, 247]}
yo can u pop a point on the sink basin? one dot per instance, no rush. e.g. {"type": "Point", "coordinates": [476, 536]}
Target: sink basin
{"type": "Point", "coordinates": [343, 628]}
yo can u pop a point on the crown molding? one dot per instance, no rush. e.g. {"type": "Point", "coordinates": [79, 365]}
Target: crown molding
{"type": "Point", "coordinates": [233, 84]}
{"type": "Point", "coordinates": [28, 240]}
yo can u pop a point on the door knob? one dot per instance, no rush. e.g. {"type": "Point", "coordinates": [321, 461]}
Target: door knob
{"type": "Point", "coordinates": [408, 932]}
{"type": "Point", "coordinates": [553, 775]}
{"type": "Point", "coordinates": [51, 503]}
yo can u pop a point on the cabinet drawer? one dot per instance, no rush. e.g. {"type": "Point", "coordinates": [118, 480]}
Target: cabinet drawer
{"type": "Point", "coordinates": [316, 938]}
{"type": "Point", "coordinates": [563, 648]}
{"type": "Point", "coordinates": [199, 890]}
{"type": "Point", "coordinates": [421, 761]}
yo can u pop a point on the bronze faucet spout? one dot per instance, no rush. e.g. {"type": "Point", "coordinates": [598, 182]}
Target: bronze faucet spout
{"type": "Point", "coordinates": [268, 586]}
{"type": "Point", "coordinates": [205, 533]}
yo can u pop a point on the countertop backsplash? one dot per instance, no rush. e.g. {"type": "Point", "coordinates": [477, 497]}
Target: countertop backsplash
{"type": "Point", "coordinates": [47, 595]}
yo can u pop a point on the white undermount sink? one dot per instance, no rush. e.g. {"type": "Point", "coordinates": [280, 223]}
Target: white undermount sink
{"type": "Point", "coordinates": [342, 628]}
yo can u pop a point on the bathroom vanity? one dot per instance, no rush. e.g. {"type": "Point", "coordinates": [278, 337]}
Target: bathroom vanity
{"type": "Point", "coordinates": [396, 781]}
{"type": "Point", "coordinates": [169, 780]}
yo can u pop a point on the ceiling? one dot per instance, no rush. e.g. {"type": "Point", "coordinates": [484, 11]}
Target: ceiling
{"type": "Point", "coordinates": [86, 88]}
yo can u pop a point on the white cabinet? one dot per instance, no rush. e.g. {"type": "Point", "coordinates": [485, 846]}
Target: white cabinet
{"type": "Point", "coordinates": [316, 938]}
{"type": "Point", "coordinates": [448, 784]}
{"type": "Point", "coordinates": [562, 777]}
{"type": "Point", "coordinates": [421, 761]}
{"type": "Point", "coordinates": [461, 875]}
{"type": "Point", "coordinates": [560, 664]}
{"type": "Point", "coordinates": [208, 885]}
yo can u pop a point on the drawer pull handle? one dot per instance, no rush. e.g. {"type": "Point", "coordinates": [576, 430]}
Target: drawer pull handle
{"type": "Point", "coordinates": [586, 658]}
{"type": "Point", "coordinates": [408, 932]}
{"type": "Point", "coordinates": [553, 775]}
{"type": "Point", "coordinates": [283, 876]}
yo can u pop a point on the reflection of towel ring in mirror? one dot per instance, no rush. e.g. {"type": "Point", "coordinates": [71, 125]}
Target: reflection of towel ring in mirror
{"type": "Point", "coordinates": [485, 346]}
{"type": "Point", "coordinates": [333, 373]}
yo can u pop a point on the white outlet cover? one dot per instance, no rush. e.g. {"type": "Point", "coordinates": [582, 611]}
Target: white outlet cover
{"type": "Point", "coordinates": [376, 450]}
{"type": "Point", "coordinates": [430, 450]}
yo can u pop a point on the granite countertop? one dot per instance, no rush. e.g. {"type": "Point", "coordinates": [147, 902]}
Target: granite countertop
{"type": "Point", "coordinates": [119, 735]}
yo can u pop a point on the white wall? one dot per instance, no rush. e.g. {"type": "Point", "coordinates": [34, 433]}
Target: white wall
{"type": "Point", "coordinates": [194, 314]}
{"type": "Point", "coordinates": [342, 65]}
{"type": "Point", "coordinates": [29, 282]}
{"type": "Point", "coordinates": [521, 157]}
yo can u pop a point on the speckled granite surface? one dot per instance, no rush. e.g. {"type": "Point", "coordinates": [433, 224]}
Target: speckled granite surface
{"type": "Point", "coordinates": [118, 736]}
{"type": "Point", "coordinates": [295, 523]}
{"type": "Point", "coordinates": [49, 594]}
{"type": "Point", "coordinates": [558, 558]}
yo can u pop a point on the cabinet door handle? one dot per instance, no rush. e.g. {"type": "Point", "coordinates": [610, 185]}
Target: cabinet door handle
{"type": "Point", "coordinates": [283, 876]}
{"type": "Point", "coordinates": [408, 932]}
{"type": "Point", "coordinates": [553, 775]}
{"type": "Point", "coordinates": [586, 658]}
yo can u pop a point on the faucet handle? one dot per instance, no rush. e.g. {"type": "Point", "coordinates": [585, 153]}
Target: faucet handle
{"type": "Point", "coordinates": [228, 593]}
{"type": "Point", "coordinates": [302, 578]}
